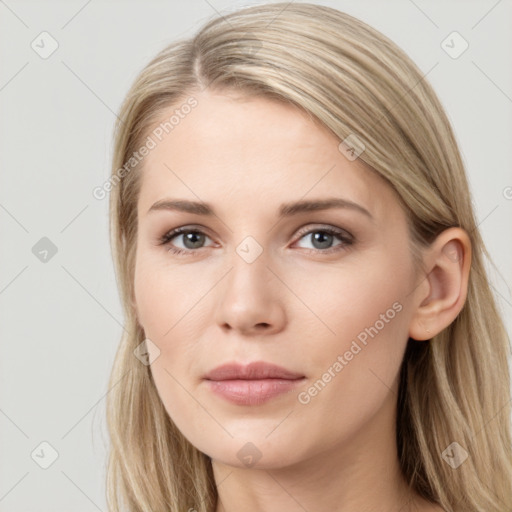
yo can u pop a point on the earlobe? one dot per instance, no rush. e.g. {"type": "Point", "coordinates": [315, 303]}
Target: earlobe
{"type": "Point", "coordinates": [443, 293]}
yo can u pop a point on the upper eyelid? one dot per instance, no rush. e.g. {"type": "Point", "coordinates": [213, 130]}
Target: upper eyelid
{"type": "Point", "coordinates": [323, 227]}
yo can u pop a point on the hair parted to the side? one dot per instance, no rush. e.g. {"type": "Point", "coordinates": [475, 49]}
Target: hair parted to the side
{"type": "Point", "coordinates": [354, 80]}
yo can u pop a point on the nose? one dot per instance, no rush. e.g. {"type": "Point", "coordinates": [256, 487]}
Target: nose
{"type": "Point", "coordinates": [251, 299]}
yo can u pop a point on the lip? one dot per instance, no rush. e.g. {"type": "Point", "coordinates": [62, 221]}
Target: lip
{"type": "Point", "coordinates": [252, 371]}
{"type": "Point", "coordinates": [252, 384]}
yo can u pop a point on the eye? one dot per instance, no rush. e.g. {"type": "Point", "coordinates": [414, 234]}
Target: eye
{"type": "Point", "coordinates": [323, 237]}
{"type": "Point", "coordinates": [192, 239]}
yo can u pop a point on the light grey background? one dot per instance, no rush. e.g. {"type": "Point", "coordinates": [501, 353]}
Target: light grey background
{"type": "Point", "coordinates": [61, 319]}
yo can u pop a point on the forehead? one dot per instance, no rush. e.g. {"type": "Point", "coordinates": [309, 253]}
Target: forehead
{"type": "Point", "coordinates": [246, 149]}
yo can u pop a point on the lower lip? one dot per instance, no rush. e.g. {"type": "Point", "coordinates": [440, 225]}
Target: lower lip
{"type": "Point", "coordinates": [252, 392]}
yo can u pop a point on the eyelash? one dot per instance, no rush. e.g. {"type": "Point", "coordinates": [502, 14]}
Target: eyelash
{"type": "Point", "coordinates": [345, 238]}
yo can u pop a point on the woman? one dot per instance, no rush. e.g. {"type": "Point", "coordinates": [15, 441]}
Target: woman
{"type": "Point", "coordinates": [309, 324]}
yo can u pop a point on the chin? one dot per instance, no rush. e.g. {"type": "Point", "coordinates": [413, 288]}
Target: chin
{"type": "Point", "coordinates": [258, 453]}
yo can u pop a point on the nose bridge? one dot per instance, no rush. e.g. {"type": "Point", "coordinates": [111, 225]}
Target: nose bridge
{"type": "Point", "coordinates": [249, 268]}
{"type": "Point", "coordinates": [250, 250]}
{"type": "Point", "coordinates": [250, 295]}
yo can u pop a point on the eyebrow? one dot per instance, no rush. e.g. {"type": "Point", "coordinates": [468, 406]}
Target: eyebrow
{"type": "Point", "coordinates": [285, 210]}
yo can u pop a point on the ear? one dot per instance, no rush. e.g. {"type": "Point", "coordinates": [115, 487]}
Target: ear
{"type": "Point", "coordinates": [442, 292]}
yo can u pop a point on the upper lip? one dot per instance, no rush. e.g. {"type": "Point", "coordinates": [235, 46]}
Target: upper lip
{"type": "Point", "coordinates": [252, 371]}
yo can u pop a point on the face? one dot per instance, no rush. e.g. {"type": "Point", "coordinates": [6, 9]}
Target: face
{"type": "Point", "coordinates": [259, 277]}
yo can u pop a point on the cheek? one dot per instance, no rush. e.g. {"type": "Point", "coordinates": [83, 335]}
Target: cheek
{"type": "Point", "coordinates": [356, 370]}
{"type": "Point", "coordinates": [169, 310]}
{"type": "Point", "coordinates": [152, 300]}
{"type": "Point", "coordinates": [163, 295]}
{"type": "Point", "coordinates": [356, 304]}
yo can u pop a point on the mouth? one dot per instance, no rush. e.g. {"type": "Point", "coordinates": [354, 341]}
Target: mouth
{"type": "Point", "coordinates": [252, 384]}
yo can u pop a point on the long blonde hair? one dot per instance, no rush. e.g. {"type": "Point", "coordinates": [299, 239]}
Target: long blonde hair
{"type": "Point", "coordinates": [354, 80]}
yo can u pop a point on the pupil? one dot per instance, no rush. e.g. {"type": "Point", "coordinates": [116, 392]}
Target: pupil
{"type": "Point", "coordinates": [318, 236]}
{"type": "Point", "coordinates": [189, 237]}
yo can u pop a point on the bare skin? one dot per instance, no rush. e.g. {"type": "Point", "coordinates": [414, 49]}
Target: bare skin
{"type": "Point", "coordinates": [300, 304]}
